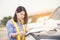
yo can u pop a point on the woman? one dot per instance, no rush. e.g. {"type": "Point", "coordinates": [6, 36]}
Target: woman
{"type": "Point", "coordinates": [20, 14]}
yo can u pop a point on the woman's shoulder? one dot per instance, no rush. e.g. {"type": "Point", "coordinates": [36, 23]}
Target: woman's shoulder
{"type": "Point", "coordinates": [9, 22]}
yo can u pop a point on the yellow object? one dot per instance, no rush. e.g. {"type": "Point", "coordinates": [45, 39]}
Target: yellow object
{"type": "Point", "coordinates": [17, 29]}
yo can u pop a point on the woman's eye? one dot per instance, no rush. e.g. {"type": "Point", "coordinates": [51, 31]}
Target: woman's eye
{"type": "Point", "coordinates": [21, 14]}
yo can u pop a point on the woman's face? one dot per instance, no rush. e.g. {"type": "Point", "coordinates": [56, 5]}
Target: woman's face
{"type": "Point", "coordinates": [20, 15]}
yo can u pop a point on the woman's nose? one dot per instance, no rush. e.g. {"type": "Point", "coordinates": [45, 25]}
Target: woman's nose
{"type": "Point", "coordinates": [22, 16]}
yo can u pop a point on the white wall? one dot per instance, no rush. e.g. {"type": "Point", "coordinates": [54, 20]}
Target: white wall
{"type": "Point", "coordinates": [7, 7]}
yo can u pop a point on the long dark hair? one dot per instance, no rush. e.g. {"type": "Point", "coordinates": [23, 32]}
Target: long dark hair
{"type": "Point", "coordinates": [19, 9]}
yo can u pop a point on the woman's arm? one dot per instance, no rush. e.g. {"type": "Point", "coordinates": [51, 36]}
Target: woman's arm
{"type": "Point", "coordinates": [10, 27]}
{"type": "Point", "coordinates": [21, 33]}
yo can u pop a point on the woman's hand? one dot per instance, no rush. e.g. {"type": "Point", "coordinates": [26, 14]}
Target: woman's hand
{"type": "Point", "coordinates": [14, 35]}
{"type": "Point", "coordinates": [21, 33]}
